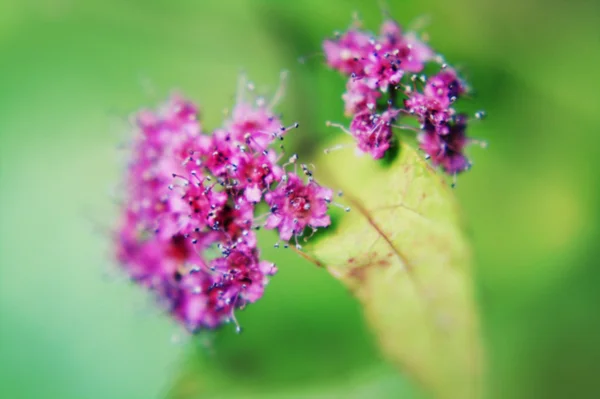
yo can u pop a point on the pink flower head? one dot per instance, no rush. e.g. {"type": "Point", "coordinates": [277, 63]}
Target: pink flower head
{"type": "Point", "coordinates": [412, 53]}
{"type": "Point", "coordinates": [253, 173]}
{"type": "Point", "coordinates": [390, 34]}
{"type": "Point", "coordinates": [359, 96]}
{"type": "Point", "coordinates": [194, 209]}
{"type": "Point", "coordinates": [150, 260]}
{"type": "Point", "coordinates": [195, 301]}
{"type": "Point", "coordinates": [183, 115]}
{"type": "Point", "coordinates": [156, 155]}
{"type": "Point", "coordinates": [373, 132]}
{"type": "Point", "coordinates": [177, 117]}
{"type": "Point", "coordinates": [295, 206]}
{"type": "Point", "coordinates": [190, 195]}
{"type": "Point", "coordinates": [447, 149]}
{"type": "Point", "coordinates": [217, 151]}
{"type": "Point", "coordinates": [429, 110]}
{"type": "Point", "coordinates": [383, 87]}
{"type": "Point", "coordinates": [255, 126]}
{"type": "Point", "coordinates": [203, 299]}
{"type": "Point", "coordinates": [207, 300]}
{"type": "Point", "coordinates": [380, 70]}
{"type": "Point", "coordinates": [243, 276]}
{"type": "Point", "coordinates": [445, 87]}
{"type": "Point", "coordinates": [234, 222]}
{"type": "Point", "coordinates": [383, 69]}
{"type": "Point", "coordinates": [346, 53]}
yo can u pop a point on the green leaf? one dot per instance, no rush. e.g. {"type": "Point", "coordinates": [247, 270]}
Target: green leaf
{"type": "Point", "coordinates": [402, 252]}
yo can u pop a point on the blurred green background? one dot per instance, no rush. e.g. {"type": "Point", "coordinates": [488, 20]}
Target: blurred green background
{"type": "Point", "coordinates": [71, 72]}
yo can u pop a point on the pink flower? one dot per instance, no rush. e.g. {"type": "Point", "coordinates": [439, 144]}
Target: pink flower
{"type": "Point", "coordinates": [444, 87]}
{"type": "Point", "coordinates": [447, 149]}
{"type": "Point", "coordinates": [359, 96]}
{"type": "Point", "coordinates": [373, 132]}
{"type": "Point", "coordinates": [390, 33]}
{"type": "Point", "coordinates": [243, 275]}
{"type": "Point", "coordinates": [216, 152]}
{"type": "Point", "coordinates": [412, 53]}
{"type": "Point", "coordinates": [428, 110]}
{"type": "Point", "coordinates": [295, 206]}
{"type": "Point", "coordinates": [254, 173]}
{"type": "Point", "coordinates": [190, 195]}
{"type": "Point", "coordinates": [195, 207]}
{"type": "Point", "coordinates": [347, 52]}
{"type": "Point", "coordinates": [148, 258]}
{"type": "Point", "coordinates": [255, 126]}
{"type": "Point", "coordinates": [443, 138]}
{"type": "Point", "coordinates": [195, 301]}
{"type": "Point", "coordinates": [235, 222]}
{"type": "Point", "coordinates": [207, 300]}
{"type": "Point", "coordinates": [382, 69]}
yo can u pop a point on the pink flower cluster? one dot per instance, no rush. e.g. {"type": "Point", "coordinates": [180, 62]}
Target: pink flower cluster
{"type": "Point", "coordinates": [188, 225]}
{"type": "Point", "coordinates": [383, 87]}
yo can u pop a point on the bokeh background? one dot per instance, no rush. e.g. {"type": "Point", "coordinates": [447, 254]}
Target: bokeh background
{"type": "Point", "coordinates": [71, 73]}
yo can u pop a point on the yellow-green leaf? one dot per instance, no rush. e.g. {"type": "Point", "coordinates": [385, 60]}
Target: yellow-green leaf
{"type": "Point", "coordinates": [402, 251]}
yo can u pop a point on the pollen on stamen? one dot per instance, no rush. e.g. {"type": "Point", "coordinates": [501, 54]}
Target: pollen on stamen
{"type": "Point", "coordinates": [480, 115]}
{"type": "Point", "coordinates": [334, 148]}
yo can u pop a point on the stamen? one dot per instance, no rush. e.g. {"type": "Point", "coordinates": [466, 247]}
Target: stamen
{"type": "Point", "coordinates": [339, 126]}
{"type": "Point", "coordinates": [280, 90]}
{"type": "Point", "coordinates": [345, 208]}
{"type": "Point", "coordinates": [407, 127]}
{"type": "Point", "coordinates": [480, 143]}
